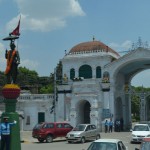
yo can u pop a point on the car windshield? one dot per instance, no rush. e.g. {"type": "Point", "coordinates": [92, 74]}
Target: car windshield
{"type": "Point", "coordinates": [37, 126]}
{"type": "Point", "coordinates": [80, 127]}
{"type": "Point", "coordinates": [145, 146]}
{"type": "Point", "coordinates": [140, 128]}
{"type": "Point", "coordinates": [102, 146]}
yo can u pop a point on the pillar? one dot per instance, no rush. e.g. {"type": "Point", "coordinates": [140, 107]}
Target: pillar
{"type": "Point", "coordinates": [11, 92]}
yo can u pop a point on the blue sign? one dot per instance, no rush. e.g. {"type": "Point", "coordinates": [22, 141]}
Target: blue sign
{"type": "Point", "coordinates": [106, 113]}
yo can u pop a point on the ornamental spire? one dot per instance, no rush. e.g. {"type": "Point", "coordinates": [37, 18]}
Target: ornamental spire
{"type": "Point", "coordinates": [93, 38]}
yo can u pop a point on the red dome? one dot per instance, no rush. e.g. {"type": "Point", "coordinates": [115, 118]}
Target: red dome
{"type": "Point", "coordinates": [92, 46]}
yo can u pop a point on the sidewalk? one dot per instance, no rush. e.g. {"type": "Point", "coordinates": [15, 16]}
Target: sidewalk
{"type": "Point", "coordinates": [26, 136]}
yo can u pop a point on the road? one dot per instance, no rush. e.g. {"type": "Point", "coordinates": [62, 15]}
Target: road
{"type": "Point", "coordinates": [61, 144]}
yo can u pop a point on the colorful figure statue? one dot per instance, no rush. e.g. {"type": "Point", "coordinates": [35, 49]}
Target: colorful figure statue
{"type": "Point", "coordinates": [13, 60]}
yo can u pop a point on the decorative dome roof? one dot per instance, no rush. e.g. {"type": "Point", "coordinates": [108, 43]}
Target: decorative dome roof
{"type": "Point", "coordinates": [93, 46]}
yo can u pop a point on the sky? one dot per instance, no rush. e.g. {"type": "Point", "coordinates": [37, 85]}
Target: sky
{"type": "Point", "coordinates": [50, 27]}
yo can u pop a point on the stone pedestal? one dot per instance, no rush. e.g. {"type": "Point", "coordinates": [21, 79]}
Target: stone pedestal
{"type": "Point", "coordinates": [11, 92]}
{"type": "Point", "coordinates": [105, 87]}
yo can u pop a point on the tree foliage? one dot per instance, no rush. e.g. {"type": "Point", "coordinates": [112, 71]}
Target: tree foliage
{"type": "Point", "coordinates": [135, 100]}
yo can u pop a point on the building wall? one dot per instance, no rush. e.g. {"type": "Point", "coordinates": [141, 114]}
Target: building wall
{"type": "Point", "coordinates": [30, 105]}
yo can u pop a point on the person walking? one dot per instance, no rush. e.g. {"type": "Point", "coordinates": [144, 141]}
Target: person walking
{"type": "Point", "coordinates": [106, 126]}
{"type": "Point", "coordinates": [110, 125]}
{"type": "Point", "coordinates": [118, 125]}
{"type": "Point", "coordinates": [5, 127]}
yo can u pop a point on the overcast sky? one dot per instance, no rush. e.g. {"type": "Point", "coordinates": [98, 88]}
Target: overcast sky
{"type": "Point", "coordinates": [49, 27]}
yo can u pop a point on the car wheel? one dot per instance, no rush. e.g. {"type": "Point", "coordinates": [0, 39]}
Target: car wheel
{"type": "Point", "coordinates": [41, 140]}
{"type": "Point", "coordinates": [83, 140]}
{"type": "Point", "coordinates": [49, 139]}
{"type": "Point", "coordinates": [98, 137]}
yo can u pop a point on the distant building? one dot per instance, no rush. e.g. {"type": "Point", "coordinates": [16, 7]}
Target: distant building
{"type": "Point", "coordinates": [98, 83]}
{"type": "Point", "coordinates": [96, 86]}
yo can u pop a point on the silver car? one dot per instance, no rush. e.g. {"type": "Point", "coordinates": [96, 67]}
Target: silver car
{"type": "Point", "coordinates": [107, 144]}
{"type": "Point", "coordinates": [82, 133]}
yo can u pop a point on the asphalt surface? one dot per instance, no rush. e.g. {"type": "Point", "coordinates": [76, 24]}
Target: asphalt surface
{"type": "Point", "coordinates": [60, 143]}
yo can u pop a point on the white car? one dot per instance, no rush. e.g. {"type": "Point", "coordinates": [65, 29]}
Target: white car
{"type": "Point", "coordinates": [82, 133]}
{"type": "Point", "coordinates": [139, 132]}
{"type": "Point", "coordinates": [107, 144]}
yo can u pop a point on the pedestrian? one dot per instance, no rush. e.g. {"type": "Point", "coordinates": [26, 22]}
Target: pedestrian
{"type": "Point", "coordinates": [110, 125]}
{"type": "Point", "coordinates": [118, 125]}
{"type": "Point", "coordinates": [5, 128]}
{"type": "Point", "coordinates": [106, 126]}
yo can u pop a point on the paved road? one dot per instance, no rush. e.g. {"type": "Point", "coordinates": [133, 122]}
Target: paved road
{"type": "Point", "coordinates": [61, 144]}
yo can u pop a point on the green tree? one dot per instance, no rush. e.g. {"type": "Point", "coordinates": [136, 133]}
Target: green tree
{"type": "Point", "coordinates": [48, 88]}
{"type": "Point", "coordinates": [59, 72]}
{"type": "Point", "coordinates": [27, 77]}
{"type": "Point", "coordinates": [135, 103]}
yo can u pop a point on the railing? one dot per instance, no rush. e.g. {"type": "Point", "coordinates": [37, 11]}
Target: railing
{"type": "Point", "coordinates": [36, 97]}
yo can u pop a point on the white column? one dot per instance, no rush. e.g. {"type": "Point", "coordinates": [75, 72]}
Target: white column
{"type": "Point", "coordinates": [106, 100]}
{"type": "Point", "coordinates": [93, 72]}
{"type": "Point", "coordinates": [60, 111]}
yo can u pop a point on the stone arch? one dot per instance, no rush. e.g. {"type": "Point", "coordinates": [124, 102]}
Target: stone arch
{"type": "Point", "coordinates": [124, 69]}
{"type": "Point", "coordinates": [85, 71]}
{"type": "Point", "coordinates": [83, 111]}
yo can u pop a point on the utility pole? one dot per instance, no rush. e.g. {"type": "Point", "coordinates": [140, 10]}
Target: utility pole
{"type": "Point", "coordinates": [54, 94]}
{"type": "Point", "coordinates": [142, 105]}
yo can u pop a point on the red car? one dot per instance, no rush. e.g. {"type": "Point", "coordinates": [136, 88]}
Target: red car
{"type": "Point", "coordinates": [145, 145]}
{"type": "Point", "coordinates": [50, 130]}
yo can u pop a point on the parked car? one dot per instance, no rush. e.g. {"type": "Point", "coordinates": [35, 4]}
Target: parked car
{"type": "Point", "coordinates": [145, 145]}
{"type": "Point", "coordinates": [139, 132]}
{"type": "Point", "coordinates": [82, 133]}
{"type": "Point", "coordinates": [107, 144]}
{"type": "Point", "coordinates": [49, 131]}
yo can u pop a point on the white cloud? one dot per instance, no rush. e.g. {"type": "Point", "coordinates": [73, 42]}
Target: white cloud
{"type": "Point", "coordinates": [126, 45]}
{"type": "Point", "coordinates": [45, 15]}
{"type": "Point", "coordinates": [32, 65]}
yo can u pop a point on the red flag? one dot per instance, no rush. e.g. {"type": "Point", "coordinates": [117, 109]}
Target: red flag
{"type": "Point", "coordinates": [16, 30]}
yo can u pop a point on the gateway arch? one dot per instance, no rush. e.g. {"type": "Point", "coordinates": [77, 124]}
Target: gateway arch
{"type": "Point", "coordinates": [122, 72]}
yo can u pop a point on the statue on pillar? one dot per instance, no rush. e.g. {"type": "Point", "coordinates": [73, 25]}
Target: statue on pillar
{"type": "Point", "coordinates": [13, 60]}
{"type": "Point", "coordinates": [11, 90]}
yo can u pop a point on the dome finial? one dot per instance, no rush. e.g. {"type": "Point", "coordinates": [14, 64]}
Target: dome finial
{"type": "Point", "coordinates": [93, 38]}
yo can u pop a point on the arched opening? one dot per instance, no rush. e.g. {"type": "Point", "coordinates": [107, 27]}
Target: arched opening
{"type": "Point", "coordinates": [87, 112]}
{"type": "Point", "coordinates": [72, 73]}
{"type": "Point", "coordinates": [140, 87]}
{"type": "Point", "coordinates": [98, 72]}
{"type": "Point", "coordinates": [83, 112]}
{"type": "Point", "coordinates": [85, 71]}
